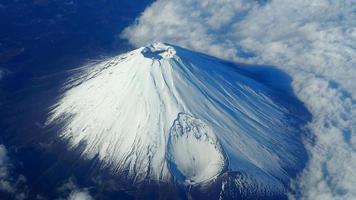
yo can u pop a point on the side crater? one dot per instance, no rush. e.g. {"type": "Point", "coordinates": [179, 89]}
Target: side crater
{"type": "Point", "coordinates": [194, 154]}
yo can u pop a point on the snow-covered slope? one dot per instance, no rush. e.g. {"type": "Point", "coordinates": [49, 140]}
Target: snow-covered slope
{"type": "Point", "coordinates": [162, 111]}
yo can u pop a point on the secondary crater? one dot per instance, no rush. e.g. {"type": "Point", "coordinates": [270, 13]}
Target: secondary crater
{"type": "Point", "coordinates": [194, 154]}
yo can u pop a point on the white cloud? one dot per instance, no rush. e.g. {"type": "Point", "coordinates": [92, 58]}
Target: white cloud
{"type": "Point", "coordinates": [11, 183]}
{"type": "Point", "coordinates": [5, 183]}
{"type": "Point", "coordinates": [73, 192]}
{"type": "Point", "coordinates": [80, 195]}
{"type": "Point", "coordinates": [314, 41]}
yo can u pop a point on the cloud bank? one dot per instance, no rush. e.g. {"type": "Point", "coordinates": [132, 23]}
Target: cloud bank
{"type": "Point", "coordinates": [314, 41]}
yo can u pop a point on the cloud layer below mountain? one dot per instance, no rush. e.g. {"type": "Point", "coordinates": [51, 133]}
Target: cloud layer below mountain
{"type": "Point", "coordinates": [314, 41]}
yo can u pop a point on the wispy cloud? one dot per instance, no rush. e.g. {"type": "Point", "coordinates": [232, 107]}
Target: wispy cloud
{"type": "Point", "coordinates": [314, 41]}
{"type": "Point", "coordinates": [2, 73]}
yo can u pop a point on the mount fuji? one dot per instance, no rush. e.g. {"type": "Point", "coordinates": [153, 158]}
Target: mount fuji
{"type": "Point", "coordinates": [167, 114]}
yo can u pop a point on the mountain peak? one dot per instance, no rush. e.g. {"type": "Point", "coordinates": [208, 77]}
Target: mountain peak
{"type": "Point", "coordinates": [159, 51]}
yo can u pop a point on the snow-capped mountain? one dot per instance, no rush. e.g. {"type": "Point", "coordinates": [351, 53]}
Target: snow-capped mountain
{"type": "Point", "coordinates": [166, 113]}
